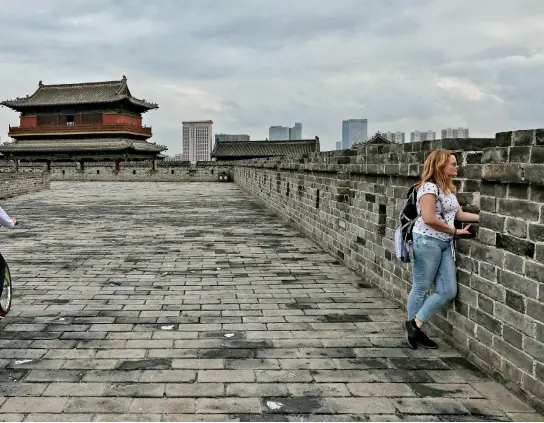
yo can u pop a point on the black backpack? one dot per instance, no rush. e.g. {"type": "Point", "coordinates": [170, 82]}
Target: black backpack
{"type": "Point", "coordinates": [408, 215]}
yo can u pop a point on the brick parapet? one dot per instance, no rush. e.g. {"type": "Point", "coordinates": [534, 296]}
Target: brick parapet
{"type": "Point", "coordinates": [14, 184]}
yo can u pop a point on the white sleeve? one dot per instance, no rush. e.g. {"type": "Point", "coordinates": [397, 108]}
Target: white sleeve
{"type": "Point", "coordinates": [5, 220]}
{"type": "Point", "coordinates": [427, 188]}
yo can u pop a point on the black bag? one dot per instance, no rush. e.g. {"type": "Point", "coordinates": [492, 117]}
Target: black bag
{"type": "Point", "coordinates": [408, 215]}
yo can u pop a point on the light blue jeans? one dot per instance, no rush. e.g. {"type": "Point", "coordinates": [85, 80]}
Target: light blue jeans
{"type": "Point", "coordinates": [433, 264]}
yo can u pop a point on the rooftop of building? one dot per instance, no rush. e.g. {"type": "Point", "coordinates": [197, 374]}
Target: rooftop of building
{"type": "Point", "coordinates": [225, 150]}
{"type": "Point", "coordinates": [86, 144]}
{"type": "Point", "coordinates": [79, 93]}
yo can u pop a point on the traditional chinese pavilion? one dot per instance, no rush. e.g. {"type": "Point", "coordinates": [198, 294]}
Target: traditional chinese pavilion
{"type": "Point", "coordinates": [81, 122]}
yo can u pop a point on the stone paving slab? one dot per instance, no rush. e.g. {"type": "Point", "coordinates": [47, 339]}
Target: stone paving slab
{"type": "Point", "coordinates": [168, 302]}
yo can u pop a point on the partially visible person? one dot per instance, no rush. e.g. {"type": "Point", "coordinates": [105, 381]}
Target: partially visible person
{"type": "Point", "coordinates": [433, 247]}
{"type": "Point", "coordinates": [6, 222]}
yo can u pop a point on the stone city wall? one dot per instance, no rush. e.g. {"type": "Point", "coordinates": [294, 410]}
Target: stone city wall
{"type": "Point", "coordinates": [129, 172]}
{"type": "Point", "coordinates": [348, 202]}
{"type": "Point", "coordinates": [13, 184]}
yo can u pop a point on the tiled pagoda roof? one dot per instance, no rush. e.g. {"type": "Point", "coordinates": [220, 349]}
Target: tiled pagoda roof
{"type": "Point", "coordinates": [225, 150]}
{"type": "Point", "coordinates": [81, 93]}
{"type": "Point", "coordinates": [73, 145]}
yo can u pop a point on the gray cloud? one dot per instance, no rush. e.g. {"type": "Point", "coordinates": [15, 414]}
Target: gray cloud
{"type": "Point", "coordinates": [249, 64]}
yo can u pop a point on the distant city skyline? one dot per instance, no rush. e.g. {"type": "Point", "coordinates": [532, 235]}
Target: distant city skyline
{"type": "Point", "coordinates": [418, 136]}
{"type": "Point", "coordinates": [455, 133]}
{"type": "Point", "coordinates": [397, 136]}
{"type": "Point", "coordinates": [285, 133]}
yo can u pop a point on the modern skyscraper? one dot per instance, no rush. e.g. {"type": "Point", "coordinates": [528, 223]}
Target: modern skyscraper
{"type": "Point", "coordinates": [354, 130]}
{"type": "Point", "coordinates": [278, 133]}
{"type": "Point", "coordinates": [455, 133]}
{"type": "Point", "coordinates": [339, 145]}
{"type": "Point", "coordinates": [231, 137]}
{"type": "Point", "coordinates": [398, 137]}
{"type": "Point", "coordinates": [197, 140]}
{"type": "Point", "coordinates": [295, 133]}
{"type": "Point", "coordinates": [284, 133]}
{"type": "Point", "coordinates": [418, 136]}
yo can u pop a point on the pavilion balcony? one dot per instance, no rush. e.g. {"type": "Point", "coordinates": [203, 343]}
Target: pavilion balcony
{"type": "Point", "coordinates": [79, 129]}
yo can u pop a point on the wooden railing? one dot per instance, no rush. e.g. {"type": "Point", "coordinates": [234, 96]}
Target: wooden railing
{"type": "Point", "coordinates": [118, 128]}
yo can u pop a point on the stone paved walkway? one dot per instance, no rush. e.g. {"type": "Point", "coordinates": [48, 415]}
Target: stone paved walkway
{"type": "Point", "coordinates": [150, 301]}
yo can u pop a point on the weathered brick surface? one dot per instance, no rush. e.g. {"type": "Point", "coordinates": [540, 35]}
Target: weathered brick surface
{"type": "Point", "coordinates": [105, 172]}
{"type": "Point", "coordinates": [13, 183]}
{"type": "Point", "coordinates": [161, 301]}
{"type": "Point", "coordinates": [349, 201]}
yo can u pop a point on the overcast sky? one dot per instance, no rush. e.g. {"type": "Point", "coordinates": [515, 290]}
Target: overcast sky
{"type": "Point", "coordinates": [250, 64]}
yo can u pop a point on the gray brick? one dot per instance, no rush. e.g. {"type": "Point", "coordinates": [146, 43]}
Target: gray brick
{"type": "Point", "coordinates": [517, 246]}
{"type": "Point", "coordinates": [512, 336]}
{"type": "Point", "coordinates": [61, 389]}
{"type": "Point", "coordinates": [284, 376]}
{"type": "Point", "coordinates": [517, 208]}
{"type": "Point", "coordinates": [199, 363]}
{"type": "Point", "coordinates": [229, 405]}
{"type": "Point", "coordinates": [431, 406]}
{"type": "Point", "coordinates": [157, 376]}
{"type": "Point", "coordinates": [131, 417]}
{"type": "Point", "coordinates": [515, 301]}
{"type": "Point", "coordinates": [318, 390]}
{"type": "Point", "coordinates": [518, 283]}
{"type": "Point", "coordinates": [488, 288]}
{"type": "Point", "coordinates": [516, 227]}
{"type": "Point", "coordinates": [506, 350]}
{"type": "Point", "coordinates": [256, 390]}
{"type": "Point", "coordinates": [162, 405]}
{"type": "Point", "coordinates": [536, 232]}
{"type": "Point", "coordinates": [501, 397]}
{"type": "Point", "coordinates": [53, 376]}
{"type": "Point", "coordinates": [534, 348]}
{"type": "Point", "coordinates": [38, 405]}
{"type": "Point", "coordinates": [226, 376]}
{"type": "Point", "coordinates": [134, 390]}
{"type": "Point", "coordinates": [517, 320]}
{"type": "Point", "coordinates": [534, 271]}
{"type": "Point", "coordinates": [14, 389]}
{"type": "Point", "coordinates": [360, 405]}
{"type": "Point", "coordinates": [64, 417]}
{"type": "Point", "coordinates": [196, 390]}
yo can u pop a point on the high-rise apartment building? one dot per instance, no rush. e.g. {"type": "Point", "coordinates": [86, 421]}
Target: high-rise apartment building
{"type": "Point", "coordinates": [397, 137]}
{"type": "Point", "coordinates": [455, 133]}
{"type": "Point", "coordinates": [418, 136]}
{"type": "Point", "coordinates": [278, 133]}
{"type": "Point", "coordinates": [354, 130]}
{"type": "Point", "coordinates": [284, 133]}
{"type": "Point", "coordinates": [295, 133]}
{"type": "Point", "coordinates": [231, 137]}
{"type": "Point", "coordinates": [197, 140]}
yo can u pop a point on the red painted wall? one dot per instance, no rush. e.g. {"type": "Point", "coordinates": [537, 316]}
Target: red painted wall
{"type": "Point", "coordinates": [28, 121]}
{"type": "Point", "coordinates": [112, 119]}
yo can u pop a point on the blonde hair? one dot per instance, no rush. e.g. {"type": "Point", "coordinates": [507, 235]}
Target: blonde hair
{"type": "Point", "coordinates": [433, 170]}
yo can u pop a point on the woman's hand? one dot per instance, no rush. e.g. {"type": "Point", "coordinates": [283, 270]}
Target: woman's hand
{"type": "Point", "coordinates": [463, 231]}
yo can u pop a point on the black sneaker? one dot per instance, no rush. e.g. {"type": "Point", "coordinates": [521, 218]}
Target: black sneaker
{"type": "Point", "coordinates": [424, 340]}
{"type": "Point", "coordinates": [411, 334]}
